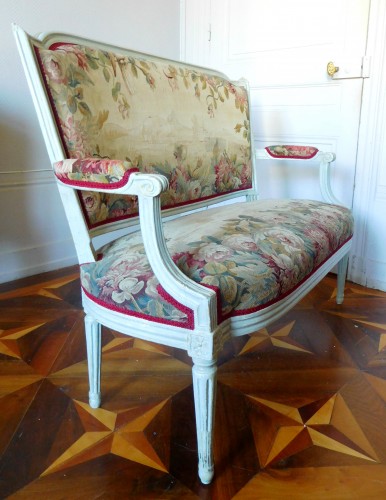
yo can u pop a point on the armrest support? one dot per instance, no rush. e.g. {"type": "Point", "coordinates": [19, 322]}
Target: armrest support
{"type": "Point", "coordinates": [305, 153]}
{"type": "Point", "coordinates": [116, 176]}
{"type": "Point", "coordinates": [176, 284]}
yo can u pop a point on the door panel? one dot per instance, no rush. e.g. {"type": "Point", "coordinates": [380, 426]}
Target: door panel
{"type": "Point", "coordinates": [283, 48]}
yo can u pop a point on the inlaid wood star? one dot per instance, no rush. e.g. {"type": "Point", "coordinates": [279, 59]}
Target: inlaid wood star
{"type": "Point", "coordinates": [327, 423]}
{"type": "Point", "coordinates": [122, 433]}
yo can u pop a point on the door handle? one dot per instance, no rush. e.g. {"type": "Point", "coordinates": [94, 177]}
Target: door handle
{"type": "Point", "coordinates": [332, 69]}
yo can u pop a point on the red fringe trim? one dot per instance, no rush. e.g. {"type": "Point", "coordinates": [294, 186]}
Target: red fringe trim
{"type": "Point", "coordinates": [98, 185]}
{"type": "Point", "coordinates": [189, 324]}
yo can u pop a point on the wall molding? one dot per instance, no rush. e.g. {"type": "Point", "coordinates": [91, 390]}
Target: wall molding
{"type": "Point", "coordinates": [35, 235]}
{"type": "Point", "coordinates": [21, 262]}
{"type": "Point", "coordinates": [21, 178]}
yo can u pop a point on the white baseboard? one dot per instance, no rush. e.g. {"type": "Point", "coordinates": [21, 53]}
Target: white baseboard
{"type": "Point", "coordinates": [24, 262]}
{"type": "Point", "coordinates": [369, 273]}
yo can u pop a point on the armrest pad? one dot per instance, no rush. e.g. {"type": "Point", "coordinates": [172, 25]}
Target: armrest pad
{"type": "Point", "coordinates": [288, 151]}
{"type": "Point", "coordinates": [94, 173]}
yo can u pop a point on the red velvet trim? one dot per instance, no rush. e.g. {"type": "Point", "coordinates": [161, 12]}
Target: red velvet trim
{"type": "Point", "coordinates": [57, 45]}
{"type": "Point", "coordinates": [216, 289]}
{"type": "Point", "coordinates": [220, 317]}
{"type": "Point", "coordinates": [98, 185]}
{"type": "Point", "coordinates": [186, 310]}
{"type": "Point", "coordinates": [289, 157]}
{"type": "Point", "coordinates": [136, 314]}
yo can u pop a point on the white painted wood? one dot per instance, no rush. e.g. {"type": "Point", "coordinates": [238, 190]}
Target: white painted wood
{"type": "Point", "coordinates": [342, 272]}
{"type": "Point", "coordinates": [367, 264]}
{"type": "Point", "coordinates": [94, 346]}
{"type": "Point", "coordinates": [204, 387]}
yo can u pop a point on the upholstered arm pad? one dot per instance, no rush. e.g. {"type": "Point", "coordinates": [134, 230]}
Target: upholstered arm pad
{"type": "Point", "coordinates": [288, 151]}
{"type": "Point", "coordinates": [94, 173]}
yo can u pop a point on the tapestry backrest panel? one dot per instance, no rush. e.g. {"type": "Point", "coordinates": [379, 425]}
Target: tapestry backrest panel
{"type": "Point", "coordinates": [161, 117]}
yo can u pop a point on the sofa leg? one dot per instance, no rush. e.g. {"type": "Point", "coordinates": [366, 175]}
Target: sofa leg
{"type": "Point", "coordinates": [342, 272]}
{"type": "Point", "coordinates": [204, 386]}
{"type": "Point", "coordinates": [93, 341]}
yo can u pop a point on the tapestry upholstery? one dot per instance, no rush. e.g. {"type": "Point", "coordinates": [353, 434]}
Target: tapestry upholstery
{"type": "Point", "coordinates": [91, 172]}
{"type": "Point", "coordinates": [158, 117]}
{"type": "Point", "coordinates": [288, 151]}
{"type": "Point", "coordinates": [256, 254]}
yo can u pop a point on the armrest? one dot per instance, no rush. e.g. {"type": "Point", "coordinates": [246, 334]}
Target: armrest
{"type": "Point", "coordinates": [118, 176]}
{"type": "Point", "coordinates": [94, 173]}
{"type": "Point", "coordinates": [295, 152]}
{"type": "Point", "coordinates": [115, 176]}
{"type": "Point", "coordinates": [289, 151]}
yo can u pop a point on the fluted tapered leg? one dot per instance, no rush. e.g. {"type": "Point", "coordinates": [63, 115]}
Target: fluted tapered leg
{"type": "Point", "coordinates": [204, 385]}
{"type": "Point", "coordinates": [93, 340]}
{"type": "Point", "coordinates": [342, 272]}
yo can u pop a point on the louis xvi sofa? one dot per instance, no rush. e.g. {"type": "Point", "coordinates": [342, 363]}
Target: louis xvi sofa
{"type": "Point", "coordinates": [150, 145]}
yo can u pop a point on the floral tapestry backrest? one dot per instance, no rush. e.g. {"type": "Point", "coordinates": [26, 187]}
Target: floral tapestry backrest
{"type": "Point", "coordinates": [162, 117]}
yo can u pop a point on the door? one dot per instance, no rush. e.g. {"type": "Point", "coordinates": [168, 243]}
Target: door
{"type": "Point", "coordinates": [283, 48]}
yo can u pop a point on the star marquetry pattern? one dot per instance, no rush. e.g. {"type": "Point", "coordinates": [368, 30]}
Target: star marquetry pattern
{"type": "Point", "coordinates": [304, 398]}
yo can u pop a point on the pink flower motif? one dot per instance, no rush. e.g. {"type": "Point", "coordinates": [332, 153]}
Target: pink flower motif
{"type": "Point", "coordinates": [240, 242]}
{"type": "Point", "coordinates": [78, 53]}
{"type": "Point", "coordinates": [76, 138]}
{"type": "Point", "coordinates": [150, 80]}
{"type": "Point", "coordinates": [53, 69]}
{"type": "Point", "coordinates": [63, 167]}
{"type": "Point", "coordinates": [241, 99]}
{"type": "Point", "coordinates": [118, 212]}
{"type": "Point", "coordinates": [231, 88]}
{"type": "Point", "coordinates": [88, 166]}
{"type": "Point", "coordinates": [290, 241]}
{"type": "Point", "coordinates": [92, 202]}
{"type": "Point", "coordinates": [246, 175]}
{"type": "Point", "coordinates": [134, 266]}
{"type": "Point", "coordinates": [194, 190]}
{"type": "Point", "coordinates": [222, 172]}
{"type": "Point", "coordinates": [213, 252]}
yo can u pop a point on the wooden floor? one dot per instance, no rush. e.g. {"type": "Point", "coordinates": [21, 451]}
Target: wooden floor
{"type": "Point", "coordinates": [300, 409]}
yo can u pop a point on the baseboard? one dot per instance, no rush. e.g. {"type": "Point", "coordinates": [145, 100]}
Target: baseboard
{"type": "Point", "coordinates": [369, 273]}
{"type": "Point", "coordinates": [24, 262]}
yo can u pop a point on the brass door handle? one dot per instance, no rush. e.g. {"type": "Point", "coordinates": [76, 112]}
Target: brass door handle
{"type": "Point", "coordinates": [332, 69]}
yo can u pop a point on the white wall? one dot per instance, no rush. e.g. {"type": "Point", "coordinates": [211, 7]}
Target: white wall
{"type": "Point", "coordinates": [33, 229]}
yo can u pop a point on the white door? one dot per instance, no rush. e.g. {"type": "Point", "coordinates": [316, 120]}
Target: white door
{"type": "Point", "coordinates": [283, 48]}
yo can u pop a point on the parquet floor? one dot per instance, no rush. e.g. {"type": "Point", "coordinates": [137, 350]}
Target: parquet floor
{"type": "Point", "coordinates": [300, 409]}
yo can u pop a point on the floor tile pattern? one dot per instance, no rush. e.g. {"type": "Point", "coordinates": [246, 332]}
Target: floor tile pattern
{"type": "Point", "coordinates": [301, 405]}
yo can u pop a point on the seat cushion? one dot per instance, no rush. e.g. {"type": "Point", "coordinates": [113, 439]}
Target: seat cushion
{"type": "Point", "coordinates": [252, 254]}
